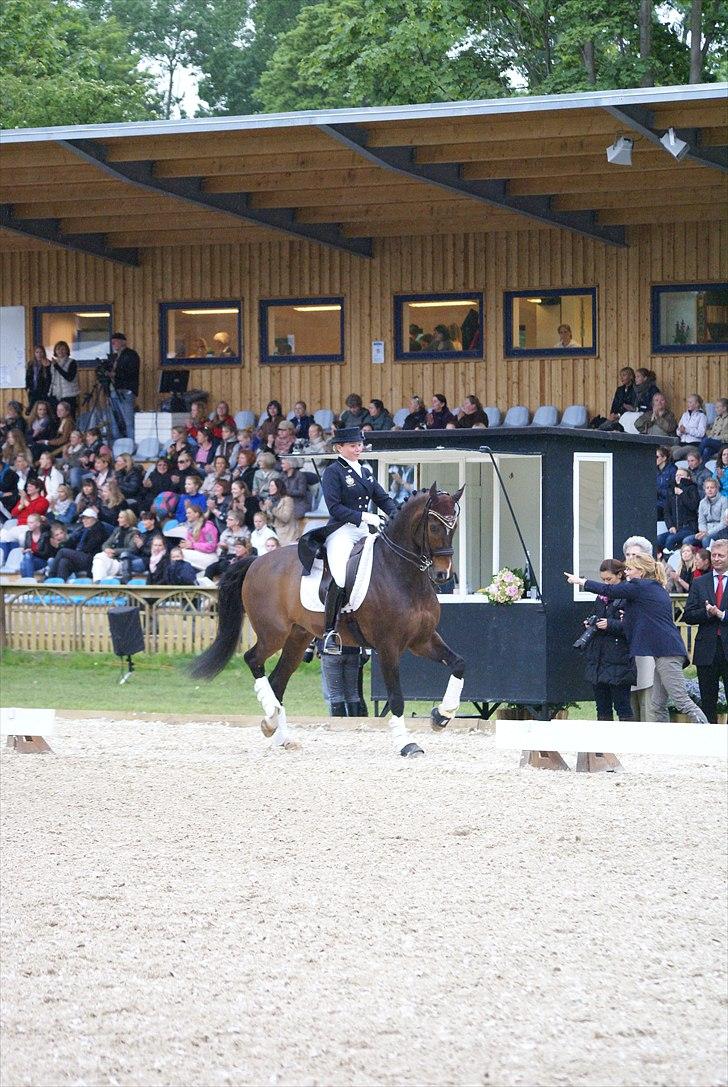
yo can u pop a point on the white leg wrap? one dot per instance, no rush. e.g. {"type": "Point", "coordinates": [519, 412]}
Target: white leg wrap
{"type": "Point", "coordinates": [281, 733]}
{"type": "Point", "coordinates": [451, 699]}
{"type": "Point", "coordinates": [398, 732]}
{"type": "Point", "coordinates": [264, 694]}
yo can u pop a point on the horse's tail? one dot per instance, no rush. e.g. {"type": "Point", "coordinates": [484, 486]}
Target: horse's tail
{"type": "Point", "coordinates": [229, 623]}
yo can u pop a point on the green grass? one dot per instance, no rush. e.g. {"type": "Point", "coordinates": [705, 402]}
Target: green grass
{"type": "Point", "coordinates": [90, 681]}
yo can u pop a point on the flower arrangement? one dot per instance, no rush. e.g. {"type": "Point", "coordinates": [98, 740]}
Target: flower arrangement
{"type": "Point", "coordinates": [505, 588]}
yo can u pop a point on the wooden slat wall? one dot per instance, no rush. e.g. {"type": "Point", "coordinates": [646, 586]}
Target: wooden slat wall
{"type": "Point", "coordinates": [492, 262]}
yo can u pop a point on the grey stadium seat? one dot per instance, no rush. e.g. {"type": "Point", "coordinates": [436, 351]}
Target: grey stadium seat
{"type": "Point", "coordinates": [244, 419]}
{"type": "Point", "coordinates": [400, 416]}
{"type": "Point", "coordinates": [123, 445]}
{"type": "Point", "coordinates": [148, 449]}
{"type": "Point", "coordinates": [324, 417]}
{"type": "Point", "coordinates": [494, 415]}
{"type": "Point", "coordinates": [546, 415]}
{"type": "Point", "coordinates": [574, 417]}
{"type": "Point", "coordinates": [517, 416]}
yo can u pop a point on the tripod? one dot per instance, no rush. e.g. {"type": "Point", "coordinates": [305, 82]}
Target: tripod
{"type": "Point", "coordinates": [101, 409]}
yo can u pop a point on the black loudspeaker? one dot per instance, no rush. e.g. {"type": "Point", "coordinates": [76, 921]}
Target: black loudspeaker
{"type": "Point", "coordinates": [126, 631]}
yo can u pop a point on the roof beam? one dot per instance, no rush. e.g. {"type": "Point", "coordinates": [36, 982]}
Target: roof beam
{"type": "Point", "coordinates": [447, 176]}
{"type": "Point", "coordinates": [643, 121]}
{"type": "Point", "coordinates": [49, 230]}
{"type": "Point", "coordinates": [141, 173]}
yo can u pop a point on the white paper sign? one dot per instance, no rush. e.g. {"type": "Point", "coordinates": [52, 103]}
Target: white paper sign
{"type": "Point", "coordinates": [16, 721]}
{"type": "Point", "coordinates": [12, 347]}
{"type": "Point", "coordinates": [378, 352]}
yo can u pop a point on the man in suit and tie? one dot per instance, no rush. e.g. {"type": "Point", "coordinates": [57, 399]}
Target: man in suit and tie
{"type": "Point", "coordinates": [707, 607]}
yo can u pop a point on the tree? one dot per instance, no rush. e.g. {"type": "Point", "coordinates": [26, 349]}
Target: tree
{"type": "Point", "coordinates": [344, 53]}
{"type": "Point", "coordinates": [58, 66]}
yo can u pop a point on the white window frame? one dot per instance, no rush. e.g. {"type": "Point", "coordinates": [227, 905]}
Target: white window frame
{"type": "Point", "coordinates": [607, 460]}
{"type": "Point", "coordinates": [462, 457]}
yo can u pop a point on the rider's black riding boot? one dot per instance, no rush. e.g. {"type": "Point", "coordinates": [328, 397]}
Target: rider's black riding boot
{"type": "Point", "coordinates": [334, 600]}
{"type": "Point", "coordinates": [338, 709]}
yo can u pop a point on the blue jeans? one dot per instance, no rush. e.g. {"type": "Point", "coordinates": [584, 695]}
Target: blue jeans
{"type": "Point", "coordinates": [29, 564]}
{"type": "Point", "coordinates": [670, 541]}
{"type": "Point", "coordinates": [121, 412]}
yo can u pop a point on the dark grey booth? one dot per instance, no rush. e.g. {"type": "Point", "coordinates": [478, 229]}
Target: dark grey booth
{"type": "Point", "coordinates": [593, 490]}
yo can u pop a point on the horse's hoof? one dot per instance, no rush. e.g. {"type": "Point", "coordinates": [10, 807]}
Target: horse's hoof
{"type": "Point", "coordinates": [411, 751]}
{"type": "Point", "coordinates": [438, 721]}
{"type": "Point", "coordinates": [268, 727]}
{"type": "Point", "coordinates": [292, 745]}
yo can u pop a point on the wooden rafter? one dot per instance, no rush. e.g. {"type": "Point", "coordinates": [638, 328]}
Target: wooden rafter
{"type": "Point", "coordinates": [494, 193]}
{"type": "Point", "coordinates": [49, 230]}
{"type": "Point", "coordinates": [190, 189]}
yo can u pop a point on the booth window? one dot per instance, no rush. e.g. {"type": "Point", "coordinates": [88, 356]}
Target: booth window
{"type": "Point", "coordinates": [199, 333]}
{"type": "Point", "coordinates": [486, 539]}
{"type": "Point", "coordinates": [86, 329]}
{"type": "Point", "coordinates": [592, 515]}
{"type": "Point", "coordinates": [553, 322]}
{"type": "Point", "coordinates": [692, 317]}
{"type": "Point", "coordinates": [302, 330]}
{"type": "Point", "coordinates": [438, 326]}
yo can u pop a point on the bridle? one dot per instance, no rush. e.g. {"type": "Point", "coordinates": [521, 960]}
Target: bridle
{"type": "Point", "coordinates": [423, 558]}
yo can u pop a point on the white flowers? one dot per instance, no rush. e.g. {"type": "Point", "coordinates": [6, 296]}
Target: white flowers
{"type": "Point", "coordinates": [505, 588]}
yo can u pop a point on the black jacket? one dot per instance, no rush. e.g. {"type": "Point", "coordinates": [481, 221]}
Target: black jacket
{"type": "Point", "coordinates": [40, 388]}
{"type": "Point", "coordinates": [126, 369]}
{"type": "Point", "coordinates": [709, 629]}
{"type": "Point", "coordinates": [8, 486]}
{"type": "Point", "coordinates": [416, 420]}
{"type": "Point", "coordinates": [43, 547]}
{"type": "Point", "coordinates": [625, 396]}
{"type": "Point", "coordinates": [681, 510]}
{"type": "Point", "coordinates": [89, 540]}
{"type": "Point", "coordinates": [607, 658]}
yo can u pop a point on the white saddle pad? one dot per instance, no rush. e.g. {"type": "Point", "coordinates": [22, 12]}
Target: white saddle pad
{"type": "Point", "coordinates": [310, 582]}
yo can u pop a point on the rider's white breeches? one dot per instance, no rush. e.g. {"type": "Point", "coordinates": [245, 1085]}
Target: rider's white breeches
{"type": "Point", "coordinates": [338, 549]}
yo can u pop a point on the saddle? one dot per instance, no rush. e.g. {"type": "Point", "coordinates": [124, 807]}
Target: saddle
{"type": "Point", "coordinates": [314, 552]}
{"type": "Point", "coordinates": [352, 566]}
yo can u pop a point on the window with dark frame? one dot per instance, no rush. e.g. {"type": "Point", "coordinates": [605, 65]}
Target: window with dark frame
{"type": "Point", "coordinates": [561, 321]}
{"type": "Point", "coordinates": [302, 330]}
{"type": "Point", "coordinates": [85, 328]}
{"type": "Point", "coordinates": [438, 326]}
{"type": "Point", "coordinates": [200, 333]}
{"type": "Point", "coordinates": [689, 317]}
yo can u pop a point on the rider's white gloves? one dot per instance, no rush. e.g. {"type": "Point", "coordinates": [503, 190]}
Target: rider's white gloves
{"type": "Point", "coordinates": [372, 519]}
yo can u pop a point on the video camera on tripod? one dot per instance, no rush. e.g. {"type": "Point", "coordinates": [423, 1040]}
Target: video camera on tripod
{"type": "Point", "coordinates": [102, 371]}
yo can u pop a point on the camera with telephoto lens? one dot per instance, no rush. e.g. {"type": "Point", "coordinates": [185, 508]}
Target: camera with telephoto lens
{"type": "Point", "coordinates": [583, 640]}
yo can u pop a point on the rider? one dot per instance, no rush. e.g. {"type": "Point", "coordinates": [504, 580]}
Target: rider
{"type": "Point", "coordinates": [348, 488]}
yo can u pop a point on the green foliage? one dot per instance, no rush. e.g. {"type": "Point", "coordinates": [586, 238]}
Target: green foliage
{"type": "Point", "coordinates": [59, 66]}
{"type": "Point", "coordinates": [344, 53]}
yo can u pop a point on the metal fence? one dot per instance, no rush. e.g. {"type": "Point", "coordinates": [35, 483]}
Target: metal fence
{"type": "Point", "coordinates": [69, 618]}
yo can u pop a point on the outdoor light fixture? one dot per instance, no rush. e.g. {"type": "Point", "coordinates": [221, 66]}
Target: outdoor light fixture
{"type": "Point", "coordinates": [440, 304]}
{"type": "Point", "coordinates": [317, 309]}
{"type": "Point", "coordinates": [96, 313]}
{"type": "Point", "coordinates": [207, 312]}
{"type": "Point", "coordinates": [671, 142]}
{"type": "Point", "coordinates": [620, 152]}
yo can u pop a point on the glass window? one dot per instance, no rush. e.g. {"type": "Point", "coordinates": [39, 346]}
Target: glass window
{"type": "Point", "coordinates": [560, 322]}
{"type": "Point", "coordinates": [691, 317]}
{"type": "Point", "coordinates": [592, 513]}
{"type": "Point", "coordinates": [438, 326]}
{"type": "Point", "coordinates": [86, 330]}
{"type": "Point", "coordinates": [302, 330]}
{"type": "Point", "coordinates": [200, 332]}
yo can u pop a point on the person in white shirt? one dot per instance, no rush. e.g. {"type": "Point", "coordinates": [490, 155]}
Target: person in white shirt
{"type": "Point", "coordinates": [693, 422]}
{"type": "Point", "coordinates": [261, 533]}
{"type": "Point", "coordinates": [565, 338]}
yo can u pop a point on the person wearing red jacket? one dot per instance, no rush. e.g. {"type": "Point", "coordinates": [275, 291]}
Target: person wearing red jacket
{"type": "Point", "coordinates": [32, 500]}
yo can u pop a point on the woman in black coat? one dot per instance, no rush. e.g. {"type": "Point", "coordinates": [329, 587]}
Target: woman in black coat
{"type": "Point", "coordinates": [608, 665]}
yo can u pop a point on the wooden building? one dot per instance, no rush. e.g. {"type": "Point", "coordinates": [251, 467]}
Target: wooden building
{"type": "Point", "coordinates": [308, 237]}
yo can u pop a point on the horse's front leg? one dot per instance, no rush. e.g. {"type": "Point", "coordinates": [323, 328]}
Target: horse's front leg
{"type": "Point", "coordinates": [437, 650]}
{"type": "Point", "coordinates": [403, 743]}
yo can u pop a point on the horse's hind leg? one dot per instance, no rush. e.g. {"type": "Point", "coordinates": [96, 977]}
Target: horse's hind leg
{"type": "Point", "coordinates": [255, 658]}
{"type": "Point", "coordinates": [296, 644]}
{"type": "Point", "coordinates": [436, 649]}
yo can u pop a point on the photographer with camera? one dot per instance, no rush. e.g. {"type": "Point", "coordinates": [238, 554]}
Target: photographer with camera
{"type": "Point", "coordinates": [121, 373]}
{"type": "Point", "coordinates": [608, 665]}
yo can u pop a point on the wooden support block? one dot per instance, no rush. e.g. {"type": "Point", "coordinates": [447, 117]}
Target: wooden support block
{"type": "Point", "coordinates": [543, 760]}
{"type": "Point", "coordinates": [597, 762]}
{"type": "Point", "coordinates": [29, 745]}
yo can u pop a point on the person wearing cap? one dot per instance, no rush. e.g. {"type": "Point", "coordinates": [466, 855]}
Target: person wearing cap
{"type": "Point", "coordinates": [124, 367]}
{"type": "Point", "coordinates": [77, 556]}
{"type": "Point", "coordinates": [348, 487]}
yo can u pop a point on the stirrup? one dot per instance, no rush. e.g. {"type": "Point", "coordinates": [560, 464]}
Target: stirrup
{"type": "Point", "coordinates": [331, 646]}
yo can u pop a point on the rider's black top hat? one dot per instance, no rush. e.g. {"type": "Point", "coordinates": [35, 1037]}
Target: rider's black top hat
{"type": "Point", "coordinates": [347, 434]}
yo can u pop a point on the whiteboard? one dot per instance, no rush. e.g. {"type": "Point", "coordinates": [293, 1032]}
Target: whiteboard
{"type": "Point", "coordinates": [12, 347]}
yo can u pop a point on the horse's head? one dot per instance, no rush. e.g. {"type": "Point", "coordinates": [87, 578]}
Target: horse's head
{"type": "Point", "coordinates": [440, 519]}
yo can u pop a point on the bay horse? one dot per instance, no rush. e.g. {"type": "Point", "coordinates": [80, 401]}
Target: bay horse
{"type": "Point", "coordinates": [400, 611]}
